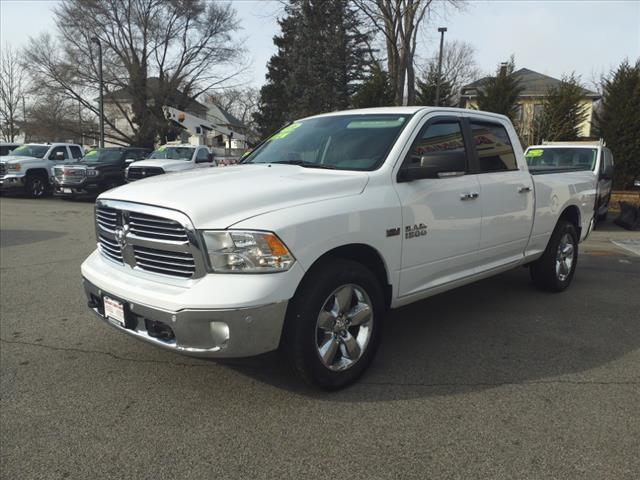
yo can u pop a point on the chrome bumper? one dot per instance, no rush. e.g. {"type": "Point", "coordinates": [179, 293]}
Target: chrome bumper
{"type": "Point", "coordinates": [11, 181]}
{"type": "Point", "coordinates": [226, 333]}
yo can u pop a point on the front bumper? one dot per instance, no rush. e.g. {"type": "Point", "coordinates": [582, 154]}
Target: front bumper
{"type": "Point", "coordinates": [241, 332]}
{"type": "Point", "coordinates": [85, 188]}
{"type": "Point", "coordinates": [218, 316]}
{"type": "Point", "coordinates": [11, 181]}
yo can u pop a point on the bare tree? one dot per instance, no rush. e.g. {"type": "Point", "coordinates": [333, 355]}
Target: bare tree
{"type": "Point", "coordinates": [399, 22]}
{"type": "Point", "coordinates": [239, 102]}
{"type": "Point", "coordinates": [13, 87]}
{"type": "Point", "coordinates": [182, 45]}
{"type": "Point", "coordinates": [459, 66]}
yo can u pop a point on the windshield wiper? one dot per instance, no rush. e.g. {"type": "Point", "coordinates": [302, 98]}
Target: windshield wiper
{"type": "Point", "coordinates": [304, 164]}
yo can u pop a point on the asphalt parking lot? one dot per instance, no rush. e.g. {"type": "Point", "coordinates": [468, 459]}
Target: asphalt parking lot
{"type": "Point", "coordinates": [494, 380]}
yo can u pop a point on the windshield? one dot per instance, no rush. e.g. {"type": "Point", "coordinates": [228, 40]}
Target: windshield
{"type": "Point", "coordinates": [37, 151]}
{"type": "Point", "coordinates": [344, 142]}
{"type": "Point", "coordinates": [102, 156]}
{"type": "Point", "coordinates": [561, 158]}
{"type": "Point", "coordinates": [173, 153]}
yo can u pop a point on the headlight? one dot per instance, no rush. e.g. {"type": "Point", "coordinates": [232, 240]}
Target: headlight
{"type": "Point", "coordinates": [92, 173]}
{"type": "Point", "coordinates": [14, 167]}
{"type": "Point", "coordinates": [233, 251]}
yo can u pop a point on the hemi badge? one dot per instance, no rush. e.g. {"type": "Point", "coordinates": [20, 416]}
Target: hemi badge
{"type": "Point", "coordinates": [392, 232]}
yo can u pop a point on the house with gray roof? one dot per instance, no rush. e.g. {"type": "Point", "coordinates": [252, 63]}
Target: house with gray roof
{"type": "Point", "coordinates": [534, 89]}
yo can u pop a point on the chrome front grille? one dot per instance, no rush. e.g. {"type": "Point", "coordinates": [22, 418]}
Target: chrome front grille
{"type": "Point", "coordinates": [151, 239]}
{"type": "Point", "coordinates": [107, 218]}
{"type": "Point", "coordinates": [170, 263]}
{"type": "Point", "coordinates": [110, 248]}
{"type": "Point", "coordinates": [137, 173]}
{"type": "Point", "coordinates": [150, 226]}
{"type": "Point", "coordinates": [69, 175]}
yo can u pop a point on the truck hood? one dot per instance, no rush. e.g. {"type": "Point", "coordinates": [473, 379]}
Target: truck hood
{"type": "Point", "coordinates": [13, 159]}
{"type": "Point", "coordinates": [165, 164]}
{"type": "Point", "coordinates": [220, 197]}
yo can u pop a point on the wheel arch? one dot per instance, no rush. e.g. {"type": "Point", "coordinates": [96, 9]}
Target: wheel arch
{"type": "Point", "coordinates": [37, 171]}
{"type": "Point", "coordinates": [571, 214]}
{"type": "Point", "coordinates": [364, 254]}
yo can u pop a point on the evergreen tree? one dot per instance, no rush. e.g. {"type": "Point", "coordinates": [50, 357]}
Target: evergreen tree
{"type": "Point", "coordinates": [426, 89]}
{"type": "Point", "coordinates": [500, 93]}
{"type": "Point", "coordinates": [319, 62]}
{"type": "Point", "coordinates": [375, 91]}
{"type": "Point", "coordinates": [618, 121]}
{"type": "Point", "coordinates": [563, 112]}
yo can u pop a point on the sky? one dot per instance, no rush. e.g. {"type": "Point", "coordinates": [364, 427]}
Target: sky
{"type": "Point", "coordinates": [551, 37]}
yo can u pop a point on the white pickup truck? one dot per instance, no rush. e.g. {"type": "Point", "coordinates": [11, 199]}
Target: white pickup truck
{"type": "Point", "coordinates": [171, 158]}
{"type": "Point", "coordinates": [29, 167]}
{"type": "Point", "coordinates": [332, 221]}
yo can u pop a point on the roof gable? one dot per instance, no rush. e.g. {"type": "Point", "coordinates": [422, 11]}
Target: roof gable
{"type": "Point", "coordinates": [534, 84]}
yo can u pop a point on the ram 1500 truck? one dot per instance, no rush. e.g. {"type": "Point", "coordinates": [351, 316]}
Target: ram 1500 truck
{"type": "Point", "coordinates": [594, 157]}
{"type": "Point", "coordinates": [99, 170]}
{"type": "Point", "coordinates": [171, 158]}
{"type": "Point", "coordinates": [332, 221]}
{"type": "Point", "coordinates": [29, 167]}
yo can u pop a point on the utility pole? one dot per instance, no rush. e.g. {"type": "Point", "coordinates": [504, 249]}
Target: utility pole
{"type": "Point", "coordinates": [24, 120]}
{"type": "Point", "coordinates": [96, 40]}
{"type": "Point", "coordinates": [441, 30]}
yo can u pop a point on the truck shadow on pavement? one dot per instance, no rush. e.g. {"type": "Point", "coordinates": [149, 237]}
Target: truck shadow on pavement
{"type": "Point", "coordinates": [500, 331]}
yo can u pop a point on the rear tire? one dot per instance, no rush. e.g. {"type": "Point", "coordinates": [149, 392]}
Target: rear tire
{"type": "Point", "coordinates": [334, 324]}
{"type": "Point", "coordinates": [553, 272]}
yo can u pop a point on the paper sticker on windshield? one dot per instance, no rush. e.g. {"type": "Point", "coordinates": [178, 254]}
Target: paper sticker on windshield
{"type": "Point", "coordinates": [286, 131]}
{"type": "Point", "coordinates": [536, 152]}
{"type": "Point", "coordinates": [21, 148]}
{"type": "Point", "coordinates": [92, 153]}
{"type": "Point", "coordinates": [376, 123]}
{"type": "Point", "coordinates": [162, 148]}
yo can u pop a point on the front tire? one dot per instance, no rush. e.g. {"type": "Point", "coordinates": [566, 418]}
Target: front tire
{"type": "Point", "coordinates": [553, 272]}
{"type": "Point", "coordinates": [36, 186]}
{"type": "Point", "coordinates": [334, 324]}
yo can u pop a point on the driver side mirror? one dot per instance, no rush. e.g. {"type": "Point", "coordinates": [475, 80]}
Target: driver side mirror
{"type": "Point", "coordinates": [129, 161]}
{"type": "Point", "coordinates": [433, 165]}
{"type": "Point", "coordinates": [59, 156]}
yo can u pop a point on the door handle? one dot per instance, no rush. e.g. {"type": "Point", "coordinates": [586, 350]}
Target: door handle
{"type": "Point", "coordinates": [524, 189]}
{"type": "Point", "coordinates": [469, 195]}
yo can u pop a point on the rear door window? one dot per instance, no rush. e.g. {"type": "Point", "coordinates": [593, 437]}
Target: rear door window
{"type": "Point", "coordinates": [493, 147]}
{"type": "Point", "coordinates": [75, 151]}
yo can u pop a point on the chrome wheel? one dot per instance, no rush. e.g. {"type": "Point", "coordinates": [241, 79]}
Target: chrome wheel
{"type": "Point", "coordinates": [37, 187]}
{"type": "Point", "coordinates": [344, 327]}
{"type": "Point", "coordinates": [565, 257]}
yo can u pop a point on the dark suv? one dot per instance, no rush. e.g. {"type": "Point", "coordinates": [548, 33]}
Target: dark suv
{"type": "Point", "coordinates": [99, 170]}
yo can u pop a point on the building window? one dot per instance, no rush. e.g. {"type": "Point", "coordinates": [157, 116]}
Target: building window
{"type": "Point", "coordinates": [518, 112]}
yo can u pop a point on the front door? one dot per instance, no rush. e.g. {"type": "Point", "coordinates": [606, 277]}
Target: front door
{"type": "Point", "coordinates": [441, 216]}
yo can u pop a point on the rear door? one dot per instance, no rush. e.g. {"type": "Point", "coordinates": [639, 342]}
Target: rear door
{"type": "Point", "coordinates": [440, 216]}
{"type": "Point", "coordinates": [506, 191]}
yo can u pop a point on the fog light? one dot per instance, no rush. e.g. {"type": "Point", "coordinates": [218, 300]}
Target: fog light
{"type": "Point", "coordinates": [219, 334]}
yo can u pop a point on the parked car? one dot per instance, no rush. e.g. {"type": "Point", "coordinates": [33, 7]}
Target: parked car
{"type": "Point", "coordinates": [97, 171]}
{"type": "Point", "coordinates": [323, 228]}
{"type": "Point", "coordinates": [171, 158]}
{"type": "Point", "coordinates": [30, 166]}
{"type": "Point", "coordinates": [7, 148]}
{"type": "Point", "coordinates": [590, 156]}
